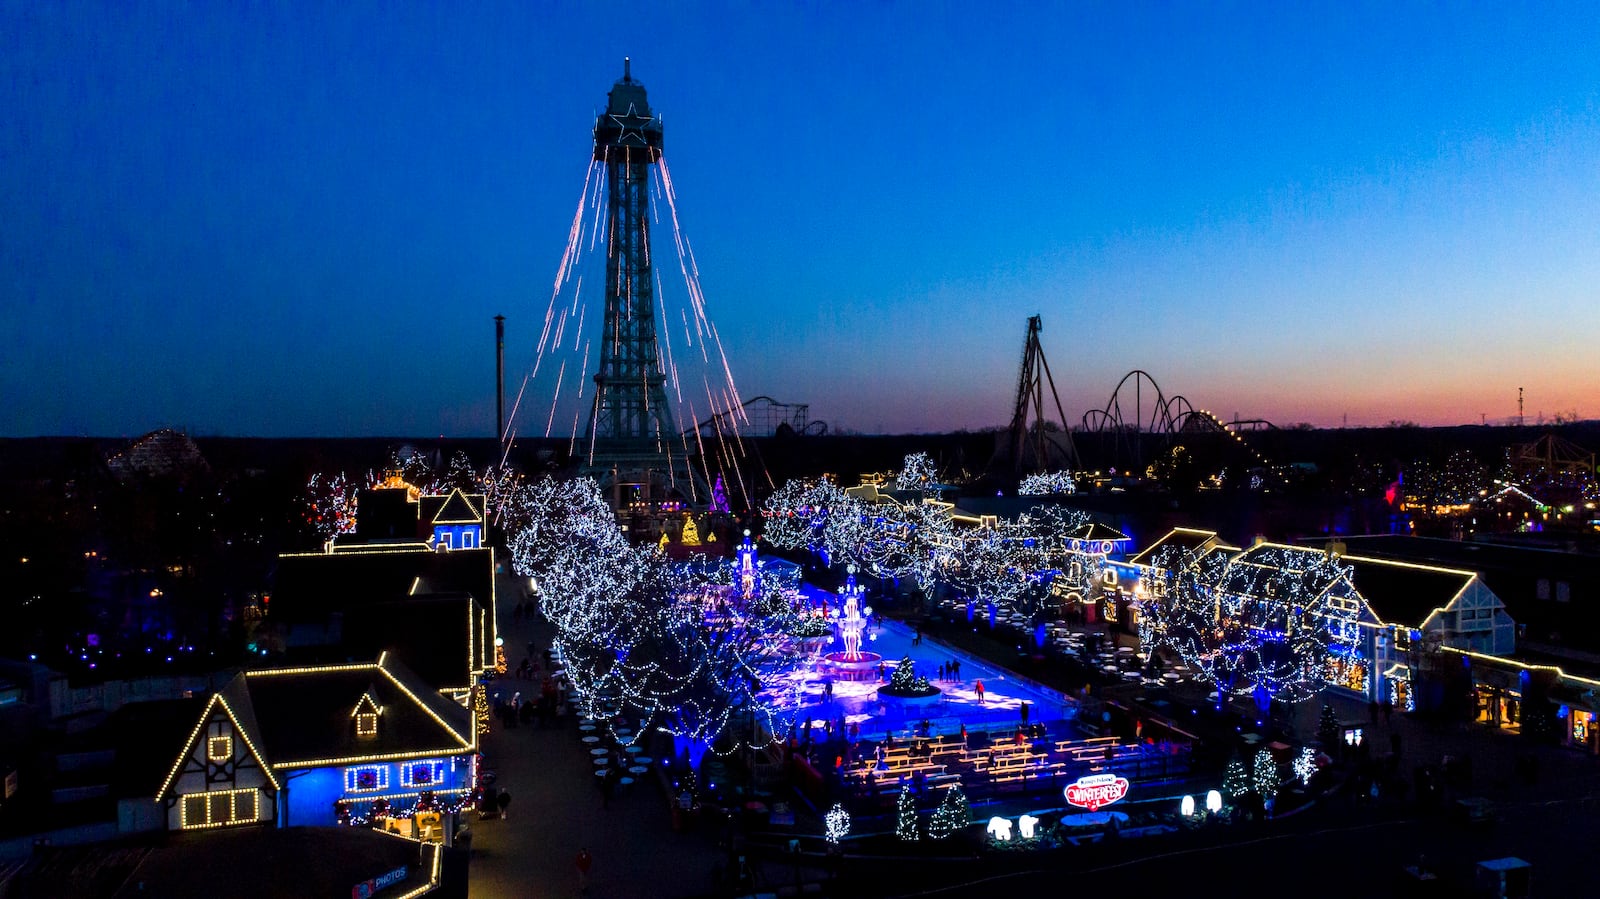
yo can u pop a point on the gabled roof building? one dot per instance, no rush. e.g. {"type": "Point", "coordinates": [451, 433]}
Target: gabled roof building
{"type": "Point", "coordinates": [320, 746]}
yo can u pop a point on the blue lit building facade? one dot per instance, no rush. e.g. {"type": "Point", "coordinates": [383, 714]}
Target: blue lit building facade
{"type": "Point", "coordinates": [337, 744]}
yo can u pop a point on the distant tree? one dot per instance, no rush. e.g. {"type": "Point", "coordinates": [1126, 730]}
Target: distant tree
{"type": "Point", "coordinates": [1235, 779]}
{"type": "Point", "coordinates": [1328, 727]}
{"type": "Point", "coordinates": [1265, 777]}
{"type": "Point", "coordinates": [460, 474]}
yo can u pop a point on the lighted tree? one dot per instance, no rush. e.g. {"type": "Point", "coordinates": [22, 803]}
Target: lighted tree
{"type": "Point", "coordinates": [1010, 562]}
{"type": "Point", "coordinates": [952, 816]}
{"type": "Point", "coordinates": [329, 504]}
{"type": "Point", "coordinates": [836, 824]}
{"type": "Point", "coordinates": [905, 822]}
{"type": "Point", "coordinates": [1264, 625]}
{"type": "Point", "coordinates": [815, 516]}
{"type": "Point", "coordinates": [675, 645]}
{"type": "Point", "coordinates": [917, 473]}
{"type": "Point", "coordinates": [1305, 765]}
{"type": "Point", "coordinates": [1235, 779]}
{"type": "Point", "coordinates": [1264, 779]}
{"type": "Point", "coordinates": [459, 475]}
{"type": "Point", "coordinates": [905, 541]}
{"type": "Point", "coordinates": [1047, 483]}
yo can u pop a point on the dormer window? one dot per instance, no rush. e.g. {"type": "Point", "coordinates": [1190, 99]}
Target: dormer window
{"type": "Point", "coordinates": [366, 714]}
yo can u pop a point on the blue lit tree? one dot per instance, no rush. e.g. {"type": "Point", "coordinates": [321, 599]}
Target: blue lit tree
{"type": "Point", "coordinates": [1263, 625]}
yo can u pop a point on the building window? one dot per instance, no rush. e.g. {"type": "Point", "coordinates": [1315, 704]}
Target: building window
{"type": "Point", "coordinates": [1542, 588]}
{"type": "Point", "coordinates": [219, 749]}
{"type": "Point", "coordinates": [366, 778]}
{"type": "Point", "coordinates": [366, 725]}
{"type": "Point", "coordinates": [423, 775]}
{"type": "Point", "coordinates": [220, 808]}
{"type": "Point", "coordinates": [469, 539]}
{"type": "Point", "coordinates": [1563, 591]}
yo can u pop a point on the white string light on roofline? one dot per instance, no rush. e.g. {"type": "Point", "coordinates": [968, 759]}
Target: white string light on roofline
{"type": "Point", "coordinates": [690, 355]}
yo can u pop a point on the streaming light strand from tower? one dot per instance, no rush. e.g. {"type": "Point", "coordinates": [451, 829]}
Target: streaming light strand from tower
{"type": "Point", "coordinates": [700, 379]}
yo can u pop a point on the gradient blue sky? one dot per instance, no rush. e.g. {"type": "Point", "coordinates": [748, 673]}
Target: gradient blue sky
{"type": "Point", "coordinates": [291, 220]}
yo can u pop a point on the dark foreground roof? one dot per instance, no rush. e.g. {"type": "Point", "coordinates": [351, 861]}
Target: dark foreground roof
{"type": "Point", "coordinates": [1403, 593]}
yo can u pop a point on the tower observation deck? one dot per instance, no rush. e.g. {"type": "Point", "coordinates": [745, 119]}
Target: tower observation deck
{"type": "Point", "coordinates": [630, 438]}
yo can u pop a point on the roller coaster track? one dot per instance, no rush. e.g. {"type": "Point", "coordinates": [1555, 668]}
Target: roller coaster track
{"type": "Point", "coordinates": [1149, 411]}
{"type": "Point", "coordinates": [761, 416]}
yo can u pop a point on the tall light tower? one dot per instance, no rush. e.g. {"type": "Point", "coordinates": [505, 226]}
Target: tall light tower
{"type": "Point", "coordinates": [629, 443]}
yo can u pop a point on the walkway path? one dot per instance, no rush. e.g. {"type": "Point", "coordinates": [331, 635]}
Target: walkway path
{"type": "Point", "coordinates": [556, 810]}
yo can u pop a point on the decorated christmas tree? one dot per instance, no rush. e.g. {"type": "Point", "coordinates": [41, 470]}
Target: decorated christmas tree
{"type": "Point", "coordinates": [905, 822]}
{"type": "Point", "coordinates": [1266, 775]}
{"type": "Point", "coordinates": [905, 679]}
{"type": "Point", "coordinates": [952, 816]}
{"type": "Point", "coordinates": [1328, 728]}
{"type": "Point", "coordinates": [1235, 780]}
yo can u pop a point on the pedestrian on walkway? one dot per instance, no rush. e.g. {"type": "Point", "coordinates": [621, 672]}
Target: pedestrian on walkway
{"type": "Point", "coordinates": [583, 863]}
{"type": "Point", "coordinates": [978, 688]}
{"type": "Point", "coordinates": [503, 802]}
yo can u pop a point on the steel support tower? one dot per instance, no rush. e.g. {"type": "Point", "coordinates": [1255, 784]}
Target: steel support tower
{"type": "Point", "coordinates": [1030, 446]}
{"type": "Point", "coordinates": [629, 443]}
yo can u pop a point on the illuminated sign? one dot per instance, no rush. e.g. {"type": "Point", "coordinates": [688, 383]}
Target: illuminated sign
{"type": "Point", "coordinates": [1096, 790]}
{"type": "Point", "coordinates": [368, 888]}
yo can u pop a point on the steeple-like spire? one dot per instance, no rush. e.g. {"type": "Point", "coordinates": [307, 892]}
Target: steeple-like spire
{"type": "Point", "coordinates": [627, 68]}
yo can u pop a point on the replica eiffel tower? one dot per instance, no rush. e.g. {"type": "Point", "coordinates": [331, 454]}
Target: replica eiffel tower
{"type": "Point", "coordinates": [632, 446]}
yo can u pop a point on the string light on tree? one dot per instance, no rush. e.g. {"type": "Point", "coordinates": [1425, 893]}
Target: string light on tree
{"type": "Point", "coordinates": [905, 822]}
{"type": "Point", "coordinates": [1235, 779]}
{"type": "Point", "coordinates": [1049, 483]}
{"type": "Point", "coordinates": [952, 816]}
{"type": "Point", "coordinates": [836, 824]}
{"type": "Point", "coordinates": [1264, 625]}
{"type": "Point", "coordinates": [1265, 779]}
{"type": "Point", "coordinates": [1305, 765]}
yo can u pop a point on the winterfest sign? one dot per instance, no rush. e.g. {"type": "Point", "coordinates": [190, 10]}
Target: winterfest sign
{"type": "Point", "coordinates": [1096, 790]}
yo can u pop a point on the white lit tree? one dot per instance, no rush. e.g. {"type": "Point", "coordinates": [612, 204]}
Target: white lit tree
{"type": "Point", "coordinates": [1305, 765]}
{"type": "Point", "coordinates": [677, 646]}
{"type": "Point", "coordinates": [1264, 780]}
{"type": "Point", "coordinates": [836, 824]}
{"type": "Point", "coordinates": [917, 473]}
{"type": "Point", "coordinates": [1263, 625]}
{"type": "Point", "coordinates": [1235, 779]}
{"type": "Point", "coordinates": [952, 816]}
{"type": "Point", "coordinates": [905, 822]}
{"type": "Point", "coordinates": [1047, 483]}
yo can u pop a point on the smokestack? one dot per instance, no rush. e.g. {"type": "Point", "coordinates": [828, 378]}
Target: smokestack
{"type": "Point", "coordinates": [500, 381]}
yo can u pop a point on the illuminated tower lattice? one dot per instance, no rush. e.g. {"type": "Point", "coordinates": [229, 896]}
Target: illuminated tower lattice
{"type": "Point", "coordinates": [631, 439]}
